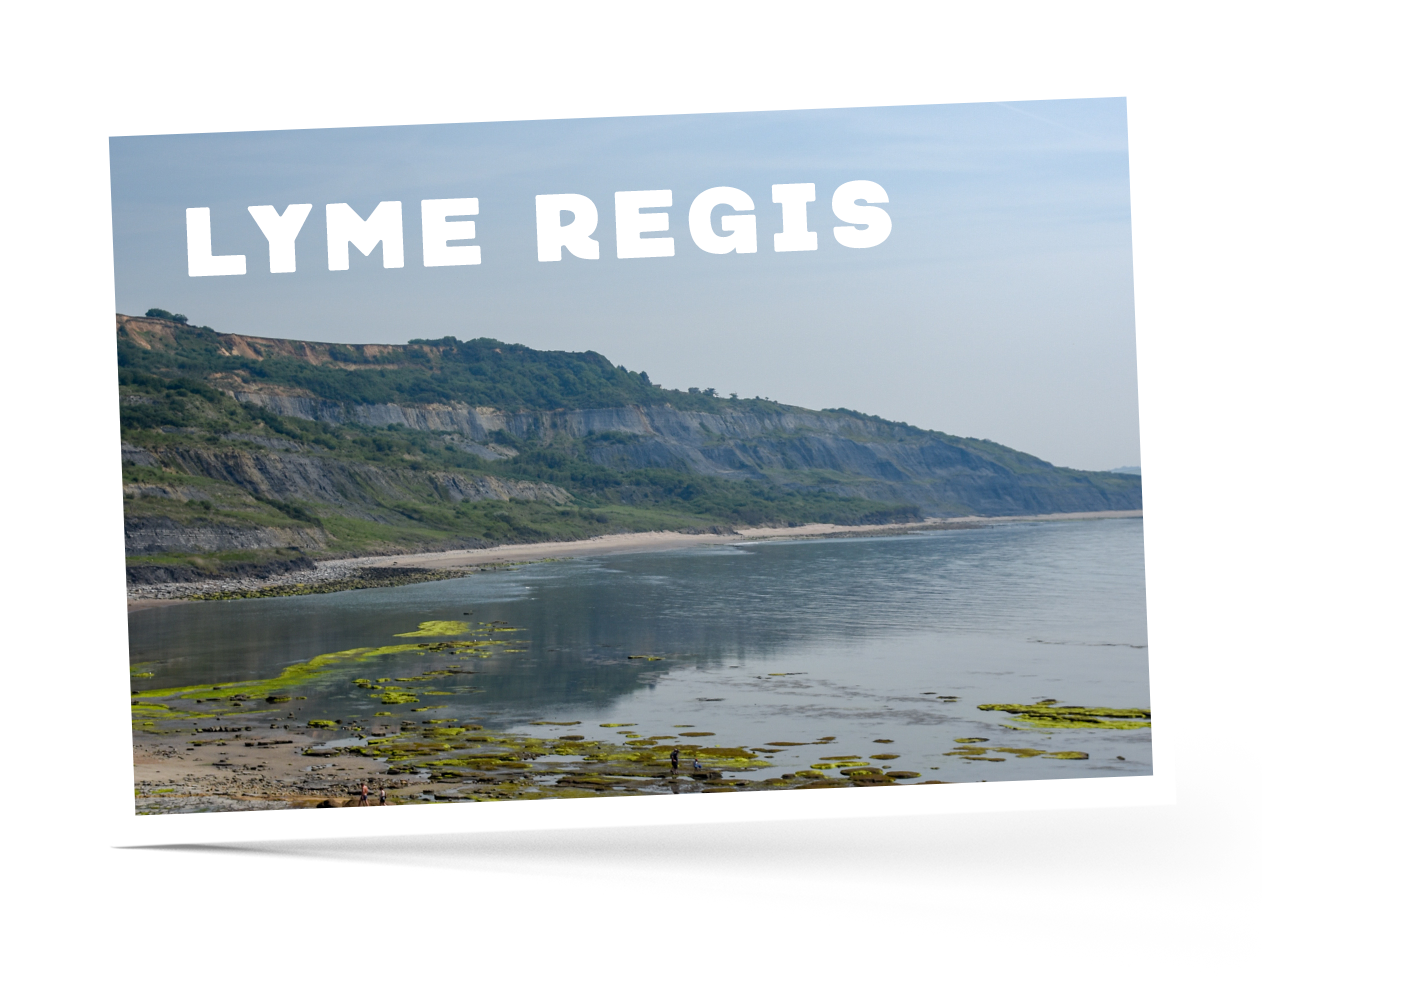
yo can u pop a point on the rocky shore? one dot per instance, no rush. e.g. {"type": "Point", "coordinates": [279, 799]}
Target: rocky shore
{"type": "Point", "coordinates": [326, 577]}
{"type": "Point", "coordinates": [267, 765]}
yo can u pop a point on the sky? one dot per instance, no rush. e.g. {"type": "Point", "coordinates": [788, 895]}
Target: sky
{"type": "Point", "coordinates": [1000, 306]}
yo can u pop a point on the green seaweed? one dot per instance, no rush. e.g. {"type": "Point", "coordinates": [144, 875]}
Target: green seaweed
{"type": "Point", "coordinates": [1066, 755]}
{"type": "Point", "coordinates": [432, 629]}
{"type": "Point", "coordinates": [1046, 714]}
{"type": "Point", "coordinates": [292, 676]}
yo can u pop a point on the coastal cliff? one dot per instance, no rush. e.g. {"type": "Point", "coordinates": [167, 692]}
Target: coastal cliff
{"type": "Point", "coordinates": [245, 453]}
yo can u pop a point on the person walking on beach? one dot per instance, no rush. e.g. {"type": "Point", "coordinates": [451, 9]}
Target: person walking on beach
{"type": "Point", "coordinates": [363, 801]}
{"type": "Point", "coordinates": [698, 767]}
{"type": "Point", "coordinates": [675, 760]}
{"type": "Point", "coordinates": [382, 794]}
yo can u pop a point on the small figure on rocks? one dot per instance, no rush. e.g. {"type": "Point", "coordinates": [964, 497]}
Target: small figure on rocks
{"type": "Point", "coordinates": [362, 801]}
{"type": "Point", "coordinates": [675, 760]}
{"type": "Point", "coordinates": [382, 795]}
{"type": "Point", "coordinates": [698, 767]}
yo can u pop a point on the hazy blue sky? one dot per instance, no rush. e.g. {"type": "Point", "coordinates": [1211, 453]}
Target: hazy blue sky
{"type": "Point", "coordinates": [1001, 305]}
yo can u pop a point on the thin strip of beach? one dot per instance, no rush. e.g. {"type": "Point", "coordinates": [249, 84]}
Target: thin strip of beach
{"type": "Point", "coordinates": [649, 541]}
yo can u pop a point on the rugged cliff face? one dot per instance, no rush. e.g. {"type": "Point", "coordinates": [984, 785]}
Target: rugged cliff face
{"type": "Point", "coordinates": [837, 452]}
{"type": "Point", "coordinates": [244, 454]}
{"type": "Point", "coordinates": [339, 483]}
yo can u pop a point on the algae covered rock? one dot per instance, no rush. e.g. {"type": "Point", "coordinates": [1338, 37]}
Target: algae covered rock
{"type": "Point", "coordinates": [1047, 714]}
{"type": "Point", "coordinates": [436, 629]}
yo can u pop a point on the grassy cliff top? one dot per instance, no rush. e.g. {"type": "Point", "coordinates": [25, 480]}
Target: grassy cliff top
{"type": "Point", "coordinates": [481, 373]}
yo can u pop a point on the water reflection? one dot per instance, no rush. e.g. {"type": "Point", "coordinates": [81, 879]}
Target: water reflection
{"type": "Point", "coordinates": [863, 627]}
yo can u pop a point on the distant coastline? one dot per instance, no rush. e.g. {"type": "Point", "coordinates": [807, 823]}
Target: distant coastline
{"type": "Point", "coordinates": [395, 570]}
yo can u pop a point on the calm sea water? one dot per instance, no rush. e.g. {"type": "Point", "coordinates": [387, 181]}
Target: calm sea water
{"type": "Point", "coordinates": [865, 628]}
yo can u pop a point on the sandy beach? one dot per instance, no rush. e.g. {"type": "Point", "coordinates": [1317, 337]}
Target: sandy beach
{"type": "Point", "coordinates": [649, 541]}
{"type": "Point", "coordinates": [611, 544]}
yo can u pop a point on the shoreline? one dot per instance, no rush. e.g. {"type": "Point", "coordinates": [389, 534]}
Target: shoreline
{"type": "Point", "coordinates": [476, 559]}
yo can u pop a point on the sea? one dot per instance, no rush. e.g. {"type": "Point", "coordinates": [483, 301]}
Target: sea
{"type": "Point", "coordinates": [884, 645]}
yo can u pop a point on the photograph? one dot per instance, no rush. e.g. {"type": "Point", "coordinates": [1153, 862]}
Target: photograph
{"type": "Point", "coordinates": [638, 456]}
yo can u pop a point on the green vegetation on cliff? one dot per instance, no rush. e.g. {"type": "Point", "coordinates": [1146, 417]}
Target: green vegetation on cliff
{"type": "Point", "coordinates": [242, 454]}
{"type": "Point", "coordinates": [209, 469]}
{"type": "Point", "coordinates": [481, 373]}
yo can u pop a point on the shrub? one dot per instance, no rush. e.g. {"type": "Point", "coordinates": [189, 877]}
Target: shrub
{"type": "Point", "coordinates": [167, 315]}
